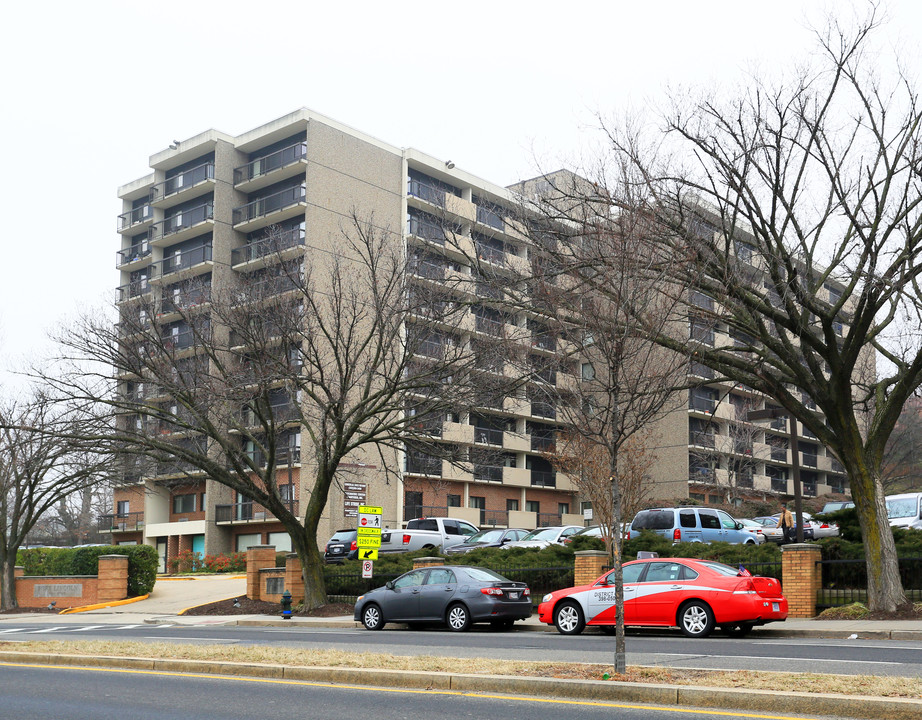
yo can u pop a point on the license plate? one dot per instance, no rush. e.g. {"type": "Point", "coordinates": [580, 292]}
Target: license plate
{"type": "Point", "coordinates": [775, 607]}
{"type": "Point", "coordinates": [336, 549]}
{"type": "Point", "coordinates": [513, 596]}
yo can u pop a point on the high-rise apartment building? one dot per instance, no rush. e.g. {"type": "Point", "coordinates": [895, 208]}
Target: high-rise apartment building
{"type": "Point", "coordinates": [197, 225]}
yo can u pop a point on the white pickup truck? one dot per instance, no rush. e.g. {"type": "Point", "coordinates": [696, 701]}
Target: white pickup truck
{"type": "Point", "coordinates": [432, 533]}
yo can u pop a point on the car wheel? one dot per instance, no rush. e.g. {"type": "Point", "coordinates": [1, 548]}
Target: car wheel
{"type": "Point", "coordinates": [372, 618]}
{"type": "Point", "coordinates": [458, 618]}
{"type": "Point", "coordinates": [696, 619]}
{"type": "Point", "coordinates": [738, 631]}
{"type": "Point", "coordinates": [568, 617]}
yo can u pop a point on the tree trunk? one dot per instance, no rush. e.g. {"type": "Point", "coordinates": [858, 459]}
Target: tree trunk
{"type": "Point", "coordinates": [620, 662]}
{"type": "Point", "coordinates": [885, 590]}
{"type": "Point", "coordinates": [8, 584]}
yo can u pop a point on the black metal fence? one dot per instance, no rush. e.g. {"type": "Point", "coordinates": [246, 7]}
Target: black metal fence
{"type": "Point", "coordinates": [846, 581]}
{"type": "Point", "coordinates": [345, 587]}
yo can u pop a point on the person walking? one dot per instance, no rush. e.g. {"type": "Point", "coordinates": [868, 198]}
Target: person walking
{"type": "Point", "coordinates": [786, 523]}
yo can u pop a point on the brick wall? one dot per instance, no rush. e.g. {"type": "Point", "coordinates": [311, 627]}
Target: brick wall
{"type": "Point", "coordinates": [259, 557]}
{"type": "Point", "coordinates": [70, 591]}
{"type": "Point", "coordinates": [800, 578]}
{"type": "Point", "coordinates": [588, 565]}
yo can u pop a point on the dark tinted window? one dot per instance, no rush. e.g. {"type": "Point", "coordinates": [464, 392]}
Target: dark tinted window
{"type": "Point", "coordinates": [343, 536]}
{"type": "Point", "coordinates": [709, 519]}
{"type": "Point", "coordinates": [422, 525]}
{"type": "Point", "coordinates": [653, 520]}
{"type": "Point", "coordinates": [664, 572]}
{"type": "Point", "coordinates": [687, 519]}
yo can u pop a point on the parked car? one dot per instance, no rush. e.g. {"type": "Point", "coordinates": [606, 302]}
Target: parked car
{"type": "Point", "coordinates": [820, 528]}
{"type": "Point", "coordinates": [457, 595]}
{"type": "Point", "coordinates": [544, 536]}
{"type": "Point", "coordinates": [342, 546]}
{"type": "Point", "coordinates": [770, 530]}
{"type": "Point", "coordinates": [905, 510]}
{"type": "Point", "coordinates": [596, 532]}
{"type": "Point", "coordinates": [486, 539]}
{"type": "Point", "coordinates": [693, 595]}
{"type": "Point", "coordinates": [835, 506]}
{"type": "Point", "coordinates": [691, 524]}
{"type": "Point", "coordinates": [751, 526]}
{"type": "Point", "coordinates": [426, 533]}
{"type": "Point", "coordinates": [771, 521]}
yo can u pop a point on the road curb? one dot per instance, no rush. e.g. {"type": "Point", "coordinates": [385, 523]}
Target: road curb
{"type": "Point", "coordinates": [853, 706]}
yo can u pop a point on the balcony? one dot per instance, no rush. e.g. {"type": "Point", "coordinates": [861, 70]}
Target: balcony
{"type": "Point", "coordinates": [701, 404]}
{"type": "Point", "coordinates": [429, 192]}
{"type": "Point", "coordinates": [272, 168]}
{"type": "Point", "coordinates": [426, 229]}
{"type": "Point", "coordinates": [488, 436]}
{"type": "Point", "coordinates": [247, 512]}
{"type": "Point", "coordinates": [420, 464]}
{"type": "Point", "coordinates": [121, 522]}
{"type": "Point", "coordinates": [184, 300]}
{"type": "Point", "coordinates": [490, 217]}
{"type": "Point", "coordinates": [809, 460]}
{"type": "Point", "coordinates": [544, 409]}
{"type": "Point", "coordinates": [542, 478]}
{"type": "Point", "coordinates": [136, 289]}
{"type": "Point", "coordinates": [183, 261]}
{"type": "Point", "coordinates": [488, 473]}
{"type": "Point", "coordinates": [265, 249]}
{"type": "Point", "coordinates": [490, 254]}
{"type": "Point", "coordinates": [183, 225]}
{"type": "Point", "coordinates": [271, 209]}
{"type": "Point", "coordinates": [184, 186]}
{"type": "Point", "coordinates": [133, 257]}
{"type": "Point", "coordinates": [133, 220]}
{"type": "Point", "coordinates": [543, 443]}
{"type": "Point", "coordinates": [701, 439]}
{"type": "Point", "coordinates": [283, 456]}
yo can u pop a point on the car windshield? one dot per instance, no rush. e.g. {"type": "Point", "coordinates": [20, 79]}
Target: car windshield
{"type": "Point", "coordinates": [902, 508]}
{"type": "Point", "coordinates": [343, 536]}
{"type": "Point", "coordinates": [653, 520]}
{"type": "Point", "coordinates": [486, 536]}
{"type": "Point", "coordinates": [483, 575]}
{"type": "Point", "coordinates": [542, 534]}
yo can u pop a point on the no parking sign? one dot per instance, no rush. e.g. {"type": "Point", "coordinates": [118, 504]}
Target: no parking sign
{"type": "Point", "coordinates": [366, 568]}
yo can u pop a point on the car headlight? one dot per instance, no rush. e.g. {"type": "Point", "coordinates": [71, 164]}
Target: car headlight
{"type": "Point", "coordinates": [547, 597]}
{"type": "Point", "coordinates": [359, 599]}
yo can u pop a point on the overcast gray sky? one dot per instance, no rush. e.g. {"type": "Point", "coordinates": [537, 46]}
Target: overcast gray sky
{"type": "Point", "coordinates": [92, 89]}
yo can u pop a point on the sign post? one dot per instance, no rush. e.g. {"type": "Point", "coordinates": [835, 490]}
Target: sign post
{"type": "Point", "coordinates": [368, 536]}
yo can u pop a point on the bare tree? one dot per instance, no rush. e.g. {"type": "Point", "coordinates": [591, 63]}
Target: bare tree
{"type": "Point", "coordinates": [41, 464]}
{"type": "Point", "coordinates": [353, 350]}
{"type": "Point", "coordinates": [797, 207]}
{"type": "Point", "coordinates": [902, 463]}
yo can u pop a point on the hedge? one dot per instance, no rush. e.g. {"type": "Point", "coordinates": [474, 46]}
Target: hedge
{"type": "Point", "coordinates": [142, 563]}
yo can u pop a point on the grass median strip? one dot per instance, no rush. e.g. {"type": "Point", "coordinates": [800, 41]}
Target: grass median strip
{"type": "Point", "coordinates": [891, 687]}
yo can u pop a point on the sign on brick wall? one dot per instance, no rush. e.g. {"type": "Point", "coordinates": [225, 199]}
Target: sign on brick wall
{"type": "Point", "coordinates": [58, 590]}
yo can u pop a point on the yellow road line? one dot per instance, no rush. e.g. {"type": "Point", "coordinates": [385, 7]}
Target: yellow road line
{"type": "Point", "coordinates": [407, 691]}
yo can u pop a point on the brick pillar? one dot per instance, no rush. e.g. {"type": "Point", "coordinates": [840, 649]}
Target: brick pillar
{"type": "Point", "coordinates": [588, 565]}
{"type": "Point", "coordinates": [19, 571]}
{"type": "Point", "coordinates": [426, 562]}
{"type": "Point", "coordinates": [294, 580]}
{"type": "Point", "coordinates": [801, 578]}
{"type": "Point", "coordinates": [258, 558]}
{"type": "Point", "coordinates": [172, 550]}
{"type": "Point", "coordinates": [113, 578]}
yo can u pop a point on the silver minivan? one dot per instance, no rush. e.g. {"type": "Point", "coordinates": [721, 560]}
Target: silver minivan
{"type": "Point", "coordinates": [691, 524]}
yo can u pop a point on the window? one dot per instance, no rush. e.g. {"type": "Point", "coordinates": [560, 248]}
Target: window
{"type": "Point", "coordinates": [512, 505]}
{"type": "Point", "coordinates": [726, 522]}
{"type": "Point", "coordinates": [532, 506]}
{"type": "Point", "coordinates": [476, 502]}
{"type": "Point", "coordinates": [184, 503]}
{"type": "Point", "coordinates": [563, 508]}
{"type": "Point", "coordinates": [709, 520]}
{"type": "Point", "coordinates": [588, 371]}
{"type": "Point", "coordinates": [664, 572]}
{"type": "Point", "coordinates": [442, 576]}
{"type": "Point", "coordinates": [454, 501]}
{"type": "Point", "coordinates": [687, 518]}
{"type": "Point", "coordinates": [121, 508]}
{"type": "Point", "coordinates": [411, 579]}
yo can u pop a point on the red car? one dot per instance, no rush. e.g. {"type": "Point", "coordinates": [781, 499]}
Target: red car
{"type": "Point", "coordinates": [695, 595]}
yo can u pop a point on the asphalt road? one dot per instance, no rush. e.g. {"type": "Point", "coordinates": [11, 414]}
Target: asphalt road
{"type": "Point", "coordinates": [845, 657]}
{"type": "Point", "coordinates": [80, 694]}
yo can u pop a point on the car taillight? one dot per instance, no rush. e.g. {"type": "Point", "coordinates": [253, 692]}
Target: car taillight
{"type": "Point", "coordinates": [326, 548]}
{"type": "Point", "coordinates": [406, 539]}
{"type": "Point", "coordinates": [526, 593]}
{"type": "Point", "coordinates": [491, 591]}
{"type": "Point", "coordinates": [354, 546]}
{"type": "Point", "coordinates": [677, 535]}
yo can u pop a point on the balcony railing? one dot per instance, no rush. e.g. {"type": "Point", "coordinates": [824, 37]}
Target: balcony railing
{"type": "Point", "coordinates": [809, 459]}
{"type": "Point", "coordinates": [702, 404]}
{"type": "Point", "coordinates": [133, 290]}
{"type": "Point", "coordinates": [185, 299]}
{"type": "Point", "coordinates": [424, 191]}
{"type": "Point", "coordinates": [541, 478]}
{"type": "Point", "coordinates": [549, 519]}
{"type": "Point", "coordinates": [426, 229]}
{"type": "Point", "coordinates": [779, 454]}
{"type": "Point", "coordinates": [419, 465]}
{"type": "Point", "coordinates": [184, 260]}
{"type": "Point", "coordinates": [428, 269]}
{"type": "Point", "coordinates": [488, 473]}
{"type": "Point", "coordinates": [544, 409]}
{"type": "Point", "coordinates": [488, 436]}
{"type": "Point", "coordinates": [543, 443]}
{"type": "Point", "coordinates": [285, 240]}
{"type": "Point", "coordinates": [490, 217]}
{"type": "Point", "coordinates": [489, 254]}
{"type": "Point", "coordinates": [489, 326]}
{"type": "Point", "coordinates": [269, 204]}
{"type": "Point", "coordinates": [121, 522]}
{"type": "Point", "coordinates": [185, 180]}
{"type": "Point", "coordinates": [545, 342]}
{"type": "Point", "coordinates": [283, 456]}
{"type": "Point", "coordinates": [187, 219]}
{"type": "Point", "coordinates": [702, 439]}
{"type": "Point", "coordinates": [249, 512]}
{"type": "Point", "coordinates": [135, 216]}
{"type": "Point", "coordinates": [133, 254]}
{"type": "Point", "coordinates": [269, 163]}
{"type": "Point", "coordinates": [179, 341]}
